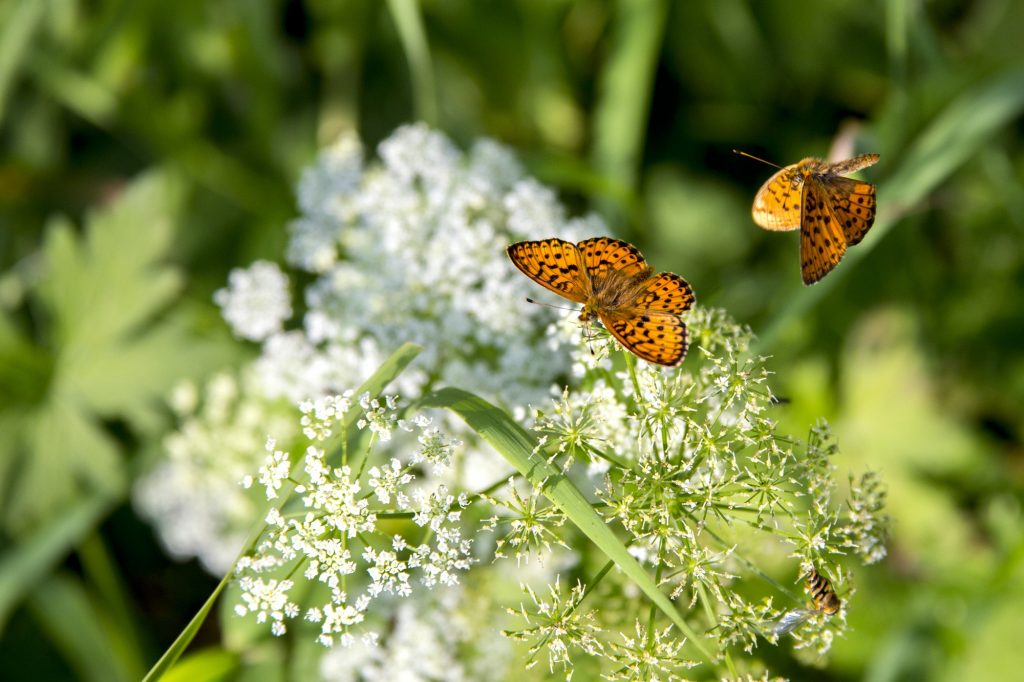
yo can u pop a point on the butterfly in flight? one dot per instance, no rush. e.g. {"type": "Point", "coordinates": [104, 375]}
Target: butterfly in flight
{"type": "Point", "coordinates": [614, 283]}
{"type": "Point", "coordinates": [831, 211]}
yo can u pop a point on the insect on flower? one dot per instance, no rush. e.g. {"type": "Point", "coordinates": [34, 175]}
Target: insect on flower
{"type": "Point", "coordinates": [831, 211]}
{"type": "Point", "coordinates": [824, 600]}
{"type": "Point", "coordinates": [615, 284]}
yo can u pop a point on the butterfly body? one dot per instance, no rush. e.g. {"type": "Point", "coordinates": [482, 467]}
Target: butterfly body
{"type": "Point", "coordinates": [832, 211]}
{"type": "Point", "coordinates": [615, 285]}
{"type": "Point", "coordinates": [615, 293]}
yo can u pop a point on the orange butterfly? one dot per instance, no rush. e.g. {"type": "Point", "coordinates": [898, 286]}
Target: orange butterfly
{"type": "Point", "coordinates": [831, 211]}
{"type": "Point", "coordinates": [613, 282]}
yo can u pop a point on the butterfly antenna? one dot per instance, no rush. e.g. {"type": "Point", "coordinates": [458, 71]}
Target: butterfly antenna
{"type": "Point", "coordinates": [548, 305]}
{"type": "Point", "coordinates": [755, 158]}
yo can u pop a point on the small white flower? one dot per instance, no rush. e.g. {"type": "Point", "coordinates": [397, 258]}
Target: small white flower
{"type": "Point", "coordinates": [256, 301]}
{"type": "Point", "coordinates": [451, 555]}
{"type": "Point", "coordinates": [379, 417]}
{"type": "Point", "coordinates": [338, 619]}
{"type": "Point", "coordinates": [435, 448]}
{"type": "Point", "coordinates": [274, 518]}
{"type": "Point", "coordinates": [436, 508]}
{"type": "Point", "coordinates": [267, 599]}
{"type": "Point", "coordinates": [337, 498]}
{"type": "Point", "coordinates": [386, 480]}
{"type": "Point", "coordinates": [388, 573]}
{"type": "Point", "coordinates": [275, 470]}
{"type": "Point", "coordinates": [320, 416]}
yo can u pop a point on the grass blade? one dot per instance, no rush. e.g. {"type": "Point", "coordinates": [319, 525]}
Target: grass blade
{"type": "Point", "coordinates": [79, 631]}
{"type": "Point", "coordinates": [24, 565]}
{"type": "Point", "coordinates": [626, 82]}
{"type": "Point", "coordinates": [516, 445]}
{"type": "Point", "coordinates": [20, 24]}
{"type": "Point", "coordinates": [414, 42]}
{"type": "Point", "coordinates": [209, 665]}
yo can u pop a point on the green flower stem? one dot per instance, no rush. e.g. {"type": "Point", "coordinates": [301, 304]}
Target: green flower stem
{"type": "Point", "coordinates": [713, 619]}
{"type": "Point", "coordinates": [588, 588]}
{"type": "Point", "coordinates": [518, 446]}
{"type": "Point", "coordinates": [413, 37]}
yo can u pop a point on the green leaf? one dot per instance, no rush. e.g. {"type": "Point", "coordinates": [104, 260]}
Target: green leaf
{"type": "Point", "coordinates": [25, 371]}
{"type": "Point", "coordinates": [626, 82]}
{"type": "Point", "coordinates": [105, 285]}
{"type": "Point", "coordinates": [132, 377]}
{"type": "Point", "coordinates": [207, 665]}
{"type": "Point", "coordinates": [52, 455]}
{"type": "Point", "coordinates": [113, 351]}
{"type": "Point", "coordinates": [411, 33]}
{"type": "Point", "coordinates": [517, 446]}
{"type": "Point", "coordinates": [384, 375]}
{"type": "Point", "coordinates": [76, 626]}
{"type": "Point", "coordinates": [24, 565]}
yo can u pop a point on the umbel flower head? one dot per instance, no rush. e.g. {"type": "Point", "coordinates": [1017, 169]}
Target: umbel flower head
{"type": "Point", "coordinates": [405, 247]}
{"type": "Point", "coordinates": [409, 248]}
{"type": "Point", "coordinates": [331, 534]}
{"type": "Point", "coordinates": [691, 466]}
{"type": "Point", "coordinates": [192, 494]}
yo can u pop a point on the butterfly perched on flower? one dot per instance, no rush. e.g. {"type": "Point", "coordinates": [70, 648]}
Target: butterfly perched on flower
{"type": "Point", "coordinates": [831, 211]}
{"type": "Point", "coordinates": [613, 282]}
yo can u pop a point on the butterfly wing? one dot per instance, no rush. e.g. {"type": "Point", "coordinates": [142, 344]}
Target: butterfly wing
{"type": "Point", "coordinates": [853, 205]}
{"type": "Point", "coordinates": [666, 292]}
{"type": "Point", "coordinates": [853, 165]}
{"type": "Point", "coordinates": [603, 254]}
{"type": "Point", "coordinates": [554, 264]}
{"type": "Point", "coordinates": [777, 203]}
{"type": "Point", "coordinates": [653, 336]}
{"type": "Point", "coordinates": [822, 242]}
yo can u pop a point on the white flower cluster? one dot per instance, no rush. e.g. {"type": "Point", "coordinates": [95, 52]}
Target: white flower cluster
{"type": "Point", "coordinates": [256, 301]}
{"type": "Point", "coordinates": [430, 640]}
{"type": "Point", "coordinates": [192, 495]}
{"type": "Point", "coordinates": [330, 527]}
{"type": "Point", "coordinates": [413, 249]}
{"type": "Point", "coordinates": [410, 247]}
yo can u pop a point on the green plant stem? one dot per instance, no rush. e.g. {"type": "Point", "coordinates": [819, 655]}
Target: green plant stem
{"type": "Point", "coordinates": [413, 37]}
{"type": "Point", "coordinates": [624, 94]}
{"type": "Point", "coordinates": [102, 572]}
{"type": "Point", "coordinates": [518, 447]}
{"type": "Point", "coordinates": [713, 619]}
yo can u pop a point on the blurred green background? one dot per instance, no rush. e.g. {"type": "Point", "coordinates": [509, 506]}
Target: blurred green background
{"type": "Point", "coordinates": [911, 348]}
